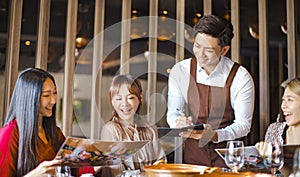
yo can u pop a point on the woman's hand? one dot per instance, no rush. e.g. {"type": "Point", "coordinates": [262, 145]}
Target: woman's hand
{"type": "Point", "coordinates": [44, 168]}
{"type": "Point", "coordinates": [264, 148]}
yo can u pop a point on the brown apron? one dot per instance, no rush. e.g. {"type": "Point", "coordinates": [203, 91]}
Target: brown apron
{"type": "Point", "coordinates": [209, 105]}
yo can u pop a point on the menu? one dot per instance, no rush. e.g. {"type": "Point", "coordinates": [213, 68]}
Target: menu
{"type": "Point", "coordinates": [76, 152]}
{"type": "Point", "coordinates": [251, 156]}
{"type": "Point", "coordinates": [253, 161]}
{"type": "Point", "coordinates": [249, 151]}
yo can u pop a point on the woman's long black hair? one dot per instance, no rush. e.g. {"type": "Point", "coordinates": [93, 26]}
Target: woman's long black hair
{"type": "Point", "coordinates": [25, 107]}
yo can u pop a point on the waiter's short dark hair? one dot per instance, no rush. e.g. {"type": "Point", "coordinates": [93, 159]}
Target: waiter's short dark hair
{"type": "Point", "coordinates": [216, 27]}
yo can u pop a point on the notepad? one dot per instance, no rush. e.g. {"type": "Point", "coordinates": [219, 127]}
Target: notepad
{"type": "Point", "coordinates": [166, 131]}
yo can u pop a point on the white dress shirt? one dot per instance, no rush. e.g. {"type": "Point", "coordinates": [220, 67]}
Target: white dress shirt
{"type": "Point", "coordinates": [241, 94]}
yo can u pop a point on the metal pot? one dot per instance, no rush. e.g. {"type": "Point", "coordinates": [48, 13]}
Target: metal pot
{"type": "Point", "coordinates": [174, 170]}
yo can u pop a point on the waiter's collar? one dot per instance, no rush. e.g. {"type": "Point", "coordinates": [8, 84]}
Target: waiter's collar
{"type": "Point", "coordinates": [220, 64]}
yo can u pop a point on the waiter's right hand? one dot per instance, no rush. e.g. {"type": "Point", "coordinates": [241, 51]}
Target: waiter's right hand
{"type": "Point", "coordinates": [182, 121]}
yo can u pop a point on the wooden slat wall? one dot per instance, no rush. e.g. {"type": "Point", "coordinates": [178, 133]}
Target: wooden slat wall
{"type": "Point", "coordinates": [152, 61]}
{"type": "Point", "coordinates": [235, 20]}
{"type": "Point", "coordinates": [180, 11]}
{"type": "Point", "coordinates": [97, 69]}
{"type": "Point", "coordinates": [291, 38]}
{"type": "Point", "coordinates": [11, 70]}
{"type": "Point", "coordinates": [13, 51]}
{"type": "Point", "coordinates": [264, 90]}
{"type": "Point", "coordinates": [67, 112]}
{"type": "Point", "coordinates": [43, 35]}
{"type": "Point", "coordinates": [125, 37]}
{"type": "Point", "coordinates": [207, 7]}
{"type": "Point", "coordinates": [280, 67]}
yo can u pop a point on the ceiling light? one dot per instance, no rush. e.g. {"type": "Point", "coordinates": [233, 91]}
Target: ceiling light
{"type": "Point", "coordinates": [283, 28]}
{"type": "Point", "coordinates": [134, 11]}
{"type": "Point", "coordinates": [27, 43]}
{"type": "Point", "coordinates": [165, 12]}
{"type": "Point", "coordinates": [198, 15]}
{"type": "Point", "coordinates": [139, 27]}
{"type": "Point", "coordinates": [253, 30]}
{"type": "Point", "coordinates": [81, 42]}
{"type": "Point", "coordinates": [166, 28]}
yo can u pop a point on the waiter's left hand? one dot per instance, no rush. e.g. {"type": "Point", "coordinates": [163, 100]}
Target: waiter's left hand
{"type": "Point", "coordinates": [208, 134]}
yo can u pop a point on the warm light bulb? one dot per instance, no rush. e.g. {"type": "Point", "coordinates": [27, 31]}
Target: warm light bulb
{"type": "Point", "coordinates": [27, 43]}
{"type": "Point", "coordinates": [81, 42]}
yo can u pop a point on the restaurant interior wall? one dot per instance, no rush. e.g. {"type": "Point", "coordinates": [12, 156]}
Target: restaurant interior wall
{"type": "Point", "coordinates": [249, 56]}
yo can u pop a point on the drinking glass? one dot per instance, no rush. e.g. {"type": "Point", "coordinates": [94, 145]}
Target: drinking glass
{"type": "Point", "coordinates": [273, 157]}
{"type": "Point", "coordinates": [63, 171]}
{"type": "Point", "coordinates": [131, 173]}
{"type": "Point", "coordinates": [234, 156]}
{"type": "Point", "coordinates": [296, 164]}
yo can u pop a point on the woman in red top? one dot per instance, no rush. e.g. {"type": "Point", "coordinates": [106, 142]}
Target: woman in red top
{"type": "Point", "coordinates": [30, 139]}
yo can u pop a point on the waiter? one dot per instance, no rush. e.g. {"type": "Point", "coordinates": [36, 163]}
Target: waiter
{"type": "Point", "coordinates": [210, 89]}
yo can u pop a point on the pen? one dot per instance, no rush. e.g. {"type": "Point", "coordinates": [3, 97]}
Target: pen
{"type": "Point", "coordinates": [180, 112]}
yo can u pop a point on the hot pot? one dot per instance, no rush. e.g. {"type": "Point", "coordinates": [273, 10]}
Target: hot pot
{"type": "Point", "coordinates": [187, 170]}
{"type": "Point", "coordinates": [174, 170]}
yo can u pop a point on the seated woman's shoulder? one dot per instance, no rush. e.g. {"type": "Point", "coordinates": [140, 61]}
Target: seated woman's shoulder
{"type": "Point", "coordinates": [9, 130]}
{"type": "Point", "coordinates": [111, 124]}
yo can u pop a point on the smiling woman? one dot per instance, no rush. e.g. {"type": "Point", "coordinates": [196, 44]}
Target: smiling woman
{"type": "Point", "coordinates": [30, 127]}
{"type": "Point", "coordinates": [30, 139]}
{"type": "Point", "coordinates": [126, 124]}
{"type": "Point", "coordinates": [287, 132]}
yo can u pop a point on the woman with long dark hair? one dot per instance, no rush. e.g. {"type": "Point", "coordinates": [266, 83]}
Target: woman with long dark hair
{"type": "Point", "coordinates": [30, 139]}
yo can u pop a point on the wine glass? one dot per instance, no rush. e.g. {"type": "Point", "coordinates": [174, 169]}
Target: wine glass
{"type": "Point", "coordinates": [296, 164]}
{"type": "Point", "coordinates": [63, 171]}
{"type": "Point", "coordinates": [234, 156]}
{"type": "Point", "coordinates": [273, 157]}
